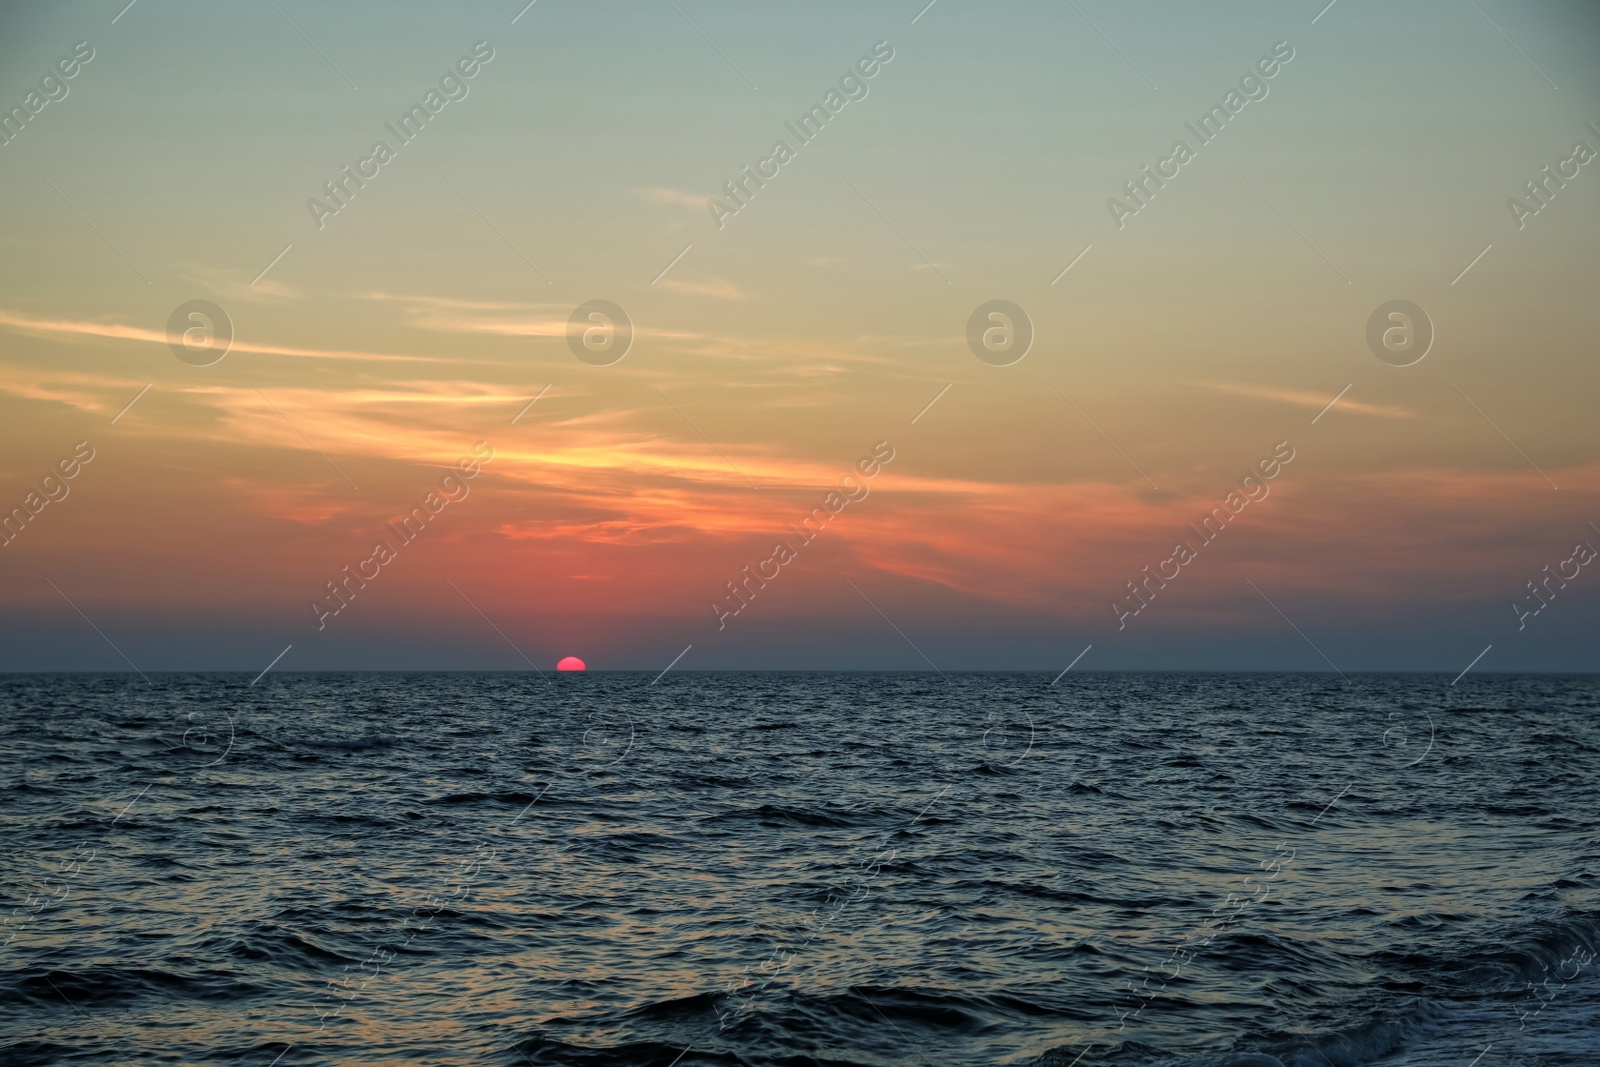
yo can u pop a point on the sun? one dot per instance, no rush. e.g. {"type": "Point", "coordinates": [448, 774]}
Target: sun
{"type": "Point", "coordinates": [572, 663]}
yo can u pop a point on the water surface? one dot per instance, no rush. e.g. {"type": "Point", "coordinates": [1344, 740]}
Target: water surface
{"type": "Point", "coordinates": [799, 868]}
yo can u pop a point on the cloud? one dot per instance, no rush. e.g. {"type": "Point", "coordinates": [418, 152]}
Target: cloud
{"type": "Point", "coordinates": [116, 331]}
{"type": "Point", "coordinates": [233, 286]}
{"type": "Point", "coordinates": [1312, 401]}
{"type": "Point", "coordinates": [441, 314]}
{"type": "Point", "coordinates": [416, 300]}
{"type": "Point", "coordinates": [657, 195]}
{"type": "Point", "coordinates": [300, 504]}
{"type": "Point", "coordinates": [520, 326]}
{"type": "Point", "coordinates": [86, 392]}
{"type": "Point", "coordinates": [496, 318]}
{"type": "Point", "coordinates": [716, 288]}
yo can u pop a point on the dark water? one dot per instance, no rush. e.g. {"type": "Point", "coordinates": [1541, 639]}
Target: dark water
{"type": "Point", "coordinates": [800, 869]}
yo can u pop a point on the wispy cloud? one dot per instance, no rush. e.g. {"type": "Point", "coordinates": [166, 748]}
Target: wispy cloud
{"type": "Point", "coordinates": [522, 325]}
{"type": "Point", "coordinates": [496, 318]}
{"type": "Point", "coordinates": [716, 288]}
{"type": "Point", "coordinates": [233, 286]}
{"type": "Point", "coordinates": [1314, 401]}
{"type": "Point", "coordinates": [657, 195]}
{"type": "Point", "coordinates": [418, 300]}
{"type": "Point", "coordinates": [119, 332]}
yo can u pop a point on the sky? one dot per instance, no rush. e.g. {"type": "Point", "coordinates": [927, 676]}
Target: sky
{"type": "Point", "coordinates": [808, 337]}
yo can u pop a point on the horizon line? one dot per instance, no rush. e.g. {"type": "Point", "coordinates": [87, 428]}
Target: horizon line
{"type": "Point", "coordinates": [794, 670]}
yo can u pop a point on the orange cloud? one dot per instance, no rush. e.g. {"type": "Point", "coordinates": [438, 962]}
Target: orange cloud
{"type": "Point", "coordinates": [116, 331]}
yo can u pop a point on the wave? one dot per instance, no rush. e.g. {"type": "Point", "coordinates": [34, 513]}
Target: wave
{"type": "Point", "coordinates": [99, 986]}
{"type": "Point", "coordinates": [479, 798]}
{"type": "Point", "coordinates": [1425, 1008]}
{"type": "Point", "coordinates": [1506, 958]}
{"type": "Point", "coordinates": [778, 814]}
{"type": "Point", "coordinates": [358, 743]}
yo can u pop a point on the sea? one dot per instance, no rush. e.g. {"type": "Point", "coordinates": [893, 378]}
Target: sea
{"type": "Point", "coordinates": [1233, 870]}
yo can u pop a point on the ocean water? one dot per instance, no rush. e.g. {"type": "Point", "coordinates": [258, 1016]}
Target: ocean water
{"type": "Point", "coordinates": [454, 869]}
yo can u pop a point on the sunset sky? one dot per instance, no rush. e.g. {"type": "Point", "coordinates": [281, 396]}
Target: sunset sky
{"type": "Point", "coordinates": [375, 347]}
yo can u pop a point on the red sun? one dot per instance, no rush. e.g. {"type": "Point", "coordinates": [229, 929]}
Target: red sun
{"type": "Point", "coordinates": [571, 663]}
